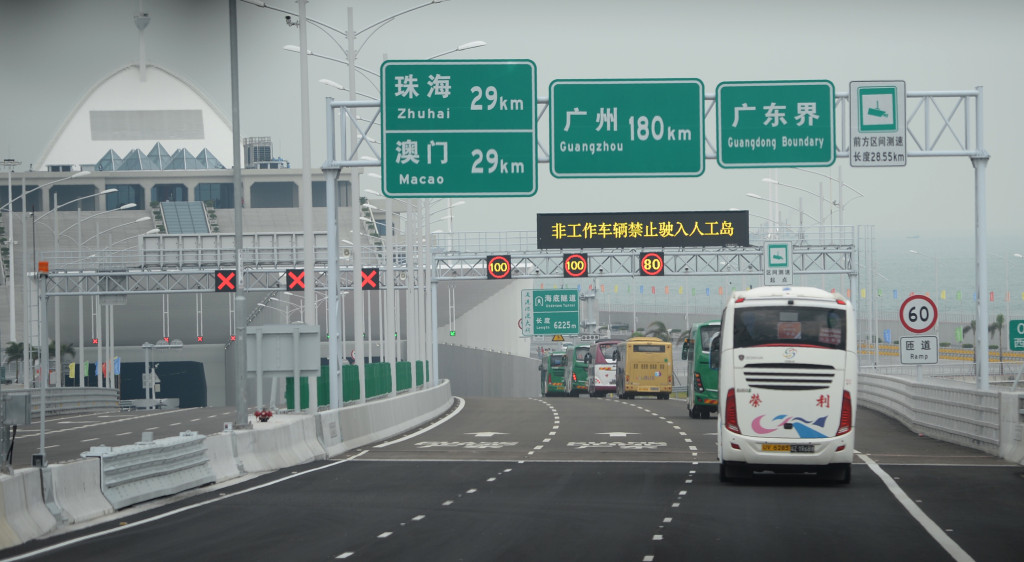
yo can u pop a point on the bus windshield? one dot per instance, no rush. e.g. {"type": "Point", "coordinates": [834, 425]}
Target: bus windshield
{"type": "Point", "coordinates": [790, 325]}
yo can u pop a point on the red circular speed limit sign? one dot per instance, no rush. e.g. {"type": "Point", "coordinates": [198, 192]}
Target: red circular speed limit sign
{"type": "Point", "coordinates": [652, 263]}
{"type": "Point", "coordinates": [499, 267]}
{"type": "Point", "coordinates": [918, 314]}
{"type": "Point", "coordinates": [574, 265]}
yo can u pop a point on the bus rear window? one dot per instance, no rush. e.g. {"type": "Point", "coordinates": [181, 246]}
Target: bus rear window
{"type": "Point", "coordinates": [790, 325]}
{"type": "Point", "coordinates": [607, 349]}
{"type": "Point", "coordinates": [557, 360]}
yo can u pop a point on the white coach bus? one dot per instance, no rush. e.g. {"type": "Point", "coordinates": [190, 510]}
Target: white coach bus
{"type": "Point", "coordinates": [787, 360]}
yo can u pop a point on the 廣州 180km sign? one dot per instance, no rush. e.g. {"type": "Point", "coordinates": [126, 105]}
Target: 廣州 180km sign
{"type": "Point", "coordinates": [627, 128]}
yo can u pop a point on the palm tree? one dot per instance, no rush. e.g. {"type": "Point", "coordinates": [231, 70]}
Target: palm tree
{"type": "Point", "coordinates": [972, 326]}
{"type": "Point", "coordinates": [657, 329]}
{"type": "Point", "coordinates": [997, 326]}
{"type": "Point", "coordinates": [15, 351]}
{"type": "Point", "coordinates": [66, 349]}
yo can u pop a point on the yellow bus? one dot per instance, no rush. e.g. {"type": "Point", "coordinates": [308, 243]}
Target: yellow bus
{"type": "Point", "coordinates": [643, 367]}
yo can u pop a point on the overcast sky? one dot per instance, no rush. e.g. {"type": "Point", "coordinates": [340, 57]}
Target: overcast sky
{"type": "Point", "coordinates": [55, 51]}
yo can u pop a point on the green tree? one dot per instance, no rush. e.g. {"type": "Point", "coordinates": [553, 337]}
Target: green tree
{"type": "Point", "coordinates": [15, 351]}
{"type": "Point", "coordinates": [66, 350]}
{"type": "Point", "coordinates": [657, 329]}
{"type": "Point", "coordinates": [994, 327]}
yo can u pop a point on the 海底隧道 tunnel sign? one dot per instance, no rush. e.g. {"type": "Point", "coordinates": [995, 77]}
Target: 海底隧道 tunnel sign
{"type": "Point", "coordinates": [642, 230]}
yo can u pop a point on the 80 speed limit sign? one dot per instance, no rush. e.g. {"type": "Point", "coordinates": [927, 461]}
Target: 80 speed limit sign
{"type": "Point", "coordinates": [918, 314]}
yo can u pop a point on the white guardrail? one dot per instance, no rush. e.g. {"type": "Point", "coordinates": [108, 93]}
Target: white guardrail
{"type": "Point", "coordinates": [37, 501]}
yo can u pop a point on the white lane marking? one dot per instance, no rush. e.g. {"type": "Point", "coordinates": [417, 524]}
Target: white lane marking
{"type": "Point", "coordinates": [649, 558]}
{"type": "Point", "coordinates": [197, 419]}
{"type": "Point", "coordinates": [547, 440]}
{"type": "Point", "coordinates": [491, 479]}
{"type": "Point", "coordinates": [123, 434]}
{"type": "Point", "coordinates": [666, 520]}
{"type": "Point", "coordinates": [447, 503]}
{"type": "Point", "coordinates": [682, 492]}
{"type": "Point", "coordinates": [462, 404]}
{"type": "Point", "coordinates": [486, 433]}
{"type": "Point", "coordinates": [656, 538]}
{"type": "Point", "coordinates": [92, 439]}
{"type": "Point", "coordinates": [675, 504]}
{"type": "Point", "coordinates": [930, 527]}
{"type": "Point", "coordinates": [344, 555]}
{"type": "Point", "coordinates": [174, 512]}
{"type": "Point", "coordinates": [538, 447]}
{"type": "Point", "coordinates": [419, 518]}
{"type": "Point", "coordinates": [384, 535]}
{"type": "Point", "coordinates": [471, 491]}
{"type": "Point", "coordinates": [617, 433]}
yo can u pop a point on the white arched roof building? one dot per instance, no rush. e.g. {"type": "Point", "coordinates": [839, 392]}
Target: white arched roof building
{"type": "Point", "coordinates": [135, 109]}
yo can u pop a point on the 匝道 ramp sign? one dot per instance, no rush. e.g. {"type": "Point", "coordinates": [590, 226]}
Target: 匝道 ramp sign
{"type": "Point", "coordinates": [626, 128]}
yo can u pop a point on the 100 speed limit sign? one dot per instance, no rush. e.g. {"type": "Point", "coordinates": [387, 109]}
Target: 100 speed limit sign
{"type": "Point", "coordinates": [918, 314]}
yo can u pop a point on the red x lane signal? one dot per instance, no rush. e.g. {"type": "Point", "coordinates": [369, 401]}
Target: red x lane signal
{"type": "Point", "coordinates": [225, 281]}
{"type": "Point", "coordinates": [296, 279]}
{"type": "Point", "coordinates": [371, 278]}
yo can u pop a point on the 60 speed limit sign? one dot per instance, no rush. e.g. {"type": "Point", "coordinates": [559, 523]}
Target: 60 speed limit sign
{"type": "Point", "coordinates": [918, 314]}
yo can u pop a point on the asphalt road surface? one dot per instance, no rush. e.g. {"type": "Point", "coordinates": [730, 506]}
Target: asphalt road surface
{"type": "Point", "coordinates": [579, 479]}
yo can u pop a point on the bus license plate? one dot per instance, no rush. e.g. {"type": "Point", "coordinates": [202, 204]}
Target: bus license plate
{"type": "Point", "coordinates": [785, 448]}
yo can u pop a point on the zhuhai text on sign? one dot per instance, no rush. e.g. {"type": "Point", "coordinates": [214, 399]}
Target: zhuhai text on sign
{"type": "Point", "coordinates": [459, 128]}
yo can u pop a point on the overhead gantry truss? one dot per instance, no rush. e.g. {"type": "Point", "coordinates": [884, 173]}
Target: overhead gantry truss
{"type": "Point", "coordinates": [534, 264]}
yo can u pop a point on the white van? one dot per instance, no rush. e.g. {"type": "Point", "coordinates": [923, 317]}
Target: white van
{"type": "Point", "coordinates": [787, 359]}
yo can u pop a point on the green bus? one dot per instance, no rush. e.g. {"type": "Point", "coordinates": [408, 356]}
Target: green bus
{"type": "Point", "coordinates": [576, 370]}
{"type": "Point", "coordinates": [701, 379]}
{"type": "Point", "coordinates": [552, 375]}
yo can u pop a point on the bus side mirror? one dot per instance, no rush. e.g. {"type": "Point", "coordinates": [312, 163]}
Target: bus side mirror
{"type": "Point", "coordinates": [587, 358]}
{"type": "Point", "coordinates": [615, 355]}
{"type": "Point", "coordinates": [715, 356]}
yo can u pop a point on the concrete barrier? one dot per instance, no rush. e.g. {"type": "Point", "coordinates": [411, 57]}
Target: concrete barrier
{"type": "Point", "coordinates": [111, 478]}
{"type": "Point", "coordinates": [220, 448]}
{"type": "Point", "coordinates": [25, 516]}
{"type": "Point", "coordinates": [380, 419]}
{"type": "Point", "coordinates": [132, 474]}
{"type": "Point", "coordinates": [76, 491]}
{"type": "Point", "coordinates": [286, 440]}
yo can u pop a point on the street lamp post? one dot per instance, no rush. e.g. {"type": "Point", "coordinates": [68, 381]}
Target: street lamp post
{"type": "Point", "coordinates": [351, 52]}
{"type": "Point", "coordinates": [9, 163]}
{"type": "Point", "coordinates": [56, 301]}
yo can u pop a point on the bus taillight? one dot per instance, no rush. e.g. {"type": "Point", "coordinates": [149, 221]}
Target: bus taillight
{"type": "Point", "coordinates": [845, 415]}
{"type": "Point", "coordinates": [696, 382]}
{"type": "Point", "coordinates": [731, 421]}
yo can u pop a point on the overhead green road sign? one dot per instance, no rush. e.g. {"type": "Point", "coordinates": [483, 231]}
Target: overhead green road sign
{"type": "Point", "coordinates": [775, 124]}
{"type": "Point", "coordinates": [626, 128]}
{"type": "Point", "coordinates": [459, 128]}
{"type": "Point", "coordinates": [550, 311]}
{"type": "Point", "coordinates": [1016, 335]}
